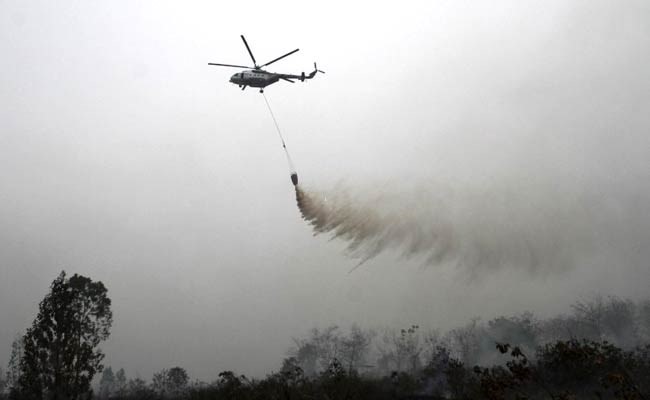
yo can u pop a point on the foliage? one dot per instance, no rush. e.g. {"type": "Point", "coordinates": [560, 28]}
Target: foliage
{"type": "Point", "coordinates": [107, 383]}
{"type": "Point", "coordinates": [586, 368]}
{"type": "Point", "coordinates": [3, 383]}
{"type": "Point", "coordinates": [137, 389]}
{"type": "Point", "coordinates": [13, 368]}
{"type": "Point", "coordinates": [170, 383]}
{"type": "Point", "coordinates": [569, 370]}
{"type": "Point", "coordinates": [562, 370]}
{"type": "Point", "coordinates": [60, 354]}
{"type": "Point", "coordinates": [315, 353]}
{"type": "Point", "coordinates": [120, 382]}
{"type": "Point", "coordinates": [533, 359]}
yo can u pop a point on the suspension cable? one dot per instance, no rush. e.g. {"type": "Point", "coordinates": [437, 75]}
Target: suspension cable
{"type": "Point", "coordinates": [277, 127]}
{"type": "Point", "coordinates": [292, 169]}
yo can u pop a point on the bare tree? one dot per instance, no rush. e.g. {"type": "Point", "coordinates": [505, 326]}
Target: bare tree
{"type": "Point", "coordinates": [355, 347]}
{"type": "Point", "coordinates": [610, 318]}
{"type": "Point", "coordinates": [401, 351]}
{"type": "Point", "coordinates": [465, 342]}
{"type": "Point", "coordinates": [315, 353]}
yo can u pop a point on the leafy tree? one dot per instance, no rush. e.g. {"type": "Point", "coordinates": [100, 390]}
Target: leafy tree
{"type": "Point", "coordinates": [231, 386]}
{"type": "Point", "coordinates": [567, 370]}
{"type": "Point", "coordinates": [107, 383]}
{"type": "Point", "coordinates": [521, 331]}
{"type": "Point", "coordinates": [137, 389]}
{"type": "Point", "coordinates": [643, 318]}
{"type": "Point", "coordinates": [13, 368]}
{"type": "Point", "coordinates": [61, 355]}
{"type": "Point", "coordinates": [178, 380]}
{"type": "Point", "coordinates": [460, 382]}
{"type": "Point", "coordinates": [436, 370]}
{"type": "Point", "coordinates": [585, 367]}
{"type": "Point", "coordinates": [3, 383]}
{"type": "Point", "coordinates": [159, 382]}
{"type": "Point", "coordinates": [496, 382]}
{"type": "Point", "coordinates": [120, 382]}
{"type": "Point", "coordinates": [306, 355]}
{"type": "Point", "coordinates": [170, 382]}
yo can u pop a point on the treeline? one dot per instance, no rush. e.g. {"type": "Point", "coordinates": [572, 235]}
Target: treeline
{"type": "Point", "coordinates": [562, 370]}
{"type": "Point", "coordinates": [621, 322]}
{"type": "Point", "coordinates": [598, 349]}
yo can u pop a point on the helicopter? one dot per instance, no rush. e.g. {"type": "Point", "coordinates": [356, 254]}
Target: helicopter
{"type": "Point", "coordinates": [258, 78]}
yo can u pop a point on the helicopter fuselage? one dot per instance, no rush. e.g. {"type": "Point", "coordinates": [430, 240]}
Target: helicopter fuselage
{"type": "Point", "coordinates": [255, 78]}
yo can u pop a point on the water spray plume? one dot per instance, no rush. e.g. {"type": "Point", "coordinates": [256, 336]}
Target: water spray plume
{"type": "Point", "coordinates": [367, 231]}
{"type": "Point", "coordinates": [471, 234]}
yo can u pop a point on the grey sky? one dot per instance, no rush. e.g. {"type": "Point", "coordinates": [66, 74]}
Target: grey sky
{"type": "Point", "coordinates": [124, 157]}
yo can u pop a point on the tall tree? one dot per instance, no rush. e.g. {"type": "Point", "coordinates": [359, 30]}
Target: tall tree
{"type": "Point", "coordinates": [120, 382]}
{"type": "Point", "coordinates": [611, 318]}
{"type": "Point", "coordinates": [107, 383]}
{"type": "Point", "coordinates": [3, 383]}
{"type": "Point", "coordinates": [644, 321]}
{"type": "Point", "coordinates": [355, 348]}
{"type": "Point", "coordinates": [178, 381]}
{"type": "Point", "coordinates": [315, 353]}
{"type": "Point", "coordinates": [137, 388]}
{"type": "Point", "coordinates": [13, 368]}
{"type": "Point", "coordinates": [61, 354]}
{"type": "Point", "coordinates": [400, 352]}
{"type": "Point", "coordinates": [170, 383]}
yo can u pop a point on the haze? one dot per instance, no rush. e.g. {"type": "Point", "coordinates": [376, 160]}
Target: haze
{"type": "Point", "coordinates": [126, 158]}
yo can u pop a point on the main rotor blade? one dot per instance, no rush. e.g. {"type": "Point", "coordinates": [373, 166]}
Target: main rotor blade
{"type": "Point", "coordinates": [249, 50]}
{"type": "Point", "coordinates": [280, 58]}
{"type": "Point", "coordinates": [288, 80]}
{"type": "Point", "coordinates": [230, 65]}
